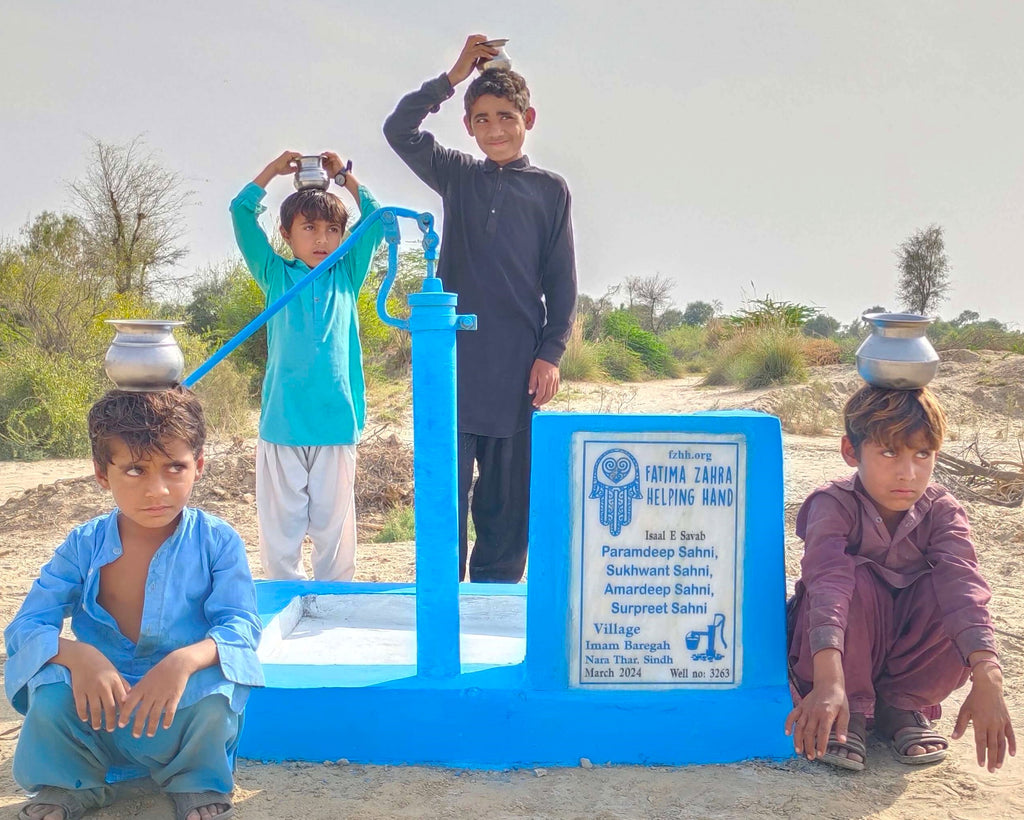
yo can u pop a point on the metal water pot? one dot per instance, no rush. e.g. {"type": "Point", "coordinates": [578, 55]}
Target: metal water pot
{"type": "Point", "coordinates": [501, 59]}
{"type": "Point", "coordinates": [144, 354]}
{"type": "Point", "coordinates": [897, 354]}
{"type": "Point", "coordinates": [311, 174]}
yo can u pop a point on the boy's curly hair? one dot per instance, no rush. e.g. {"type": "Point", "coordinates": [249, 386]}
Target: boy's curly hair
{"type": "Point", "coordinates": [892, 417]}
{"type": "Point", "coordinates": [146, 421]}
{"type": "Point", "coordinates": [499, 82]}
{"type": "Point", "coordinates": [313, 204]}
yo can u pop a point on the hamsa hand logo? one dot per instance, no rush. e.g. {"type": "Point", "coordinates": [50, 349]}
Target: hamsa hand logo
{"type": "Point", "coordinates": [616, 483]}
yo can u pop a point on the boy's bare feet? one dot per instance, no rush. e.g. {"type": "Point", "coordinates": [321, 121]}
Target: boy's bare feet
{"type": "Point", "coordinates": [208, 811]}
{"type": "Point", "coordinates": [42, 811]}
{"type": "Point", "coordinates": [201, 805]}
{"type": "Point", "coordinates": [54, 803]}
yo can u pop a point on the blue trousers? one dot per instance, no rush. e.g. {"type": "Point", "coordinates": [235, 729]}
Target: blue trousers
{"type": "Point", "coordinates": [56, 748]}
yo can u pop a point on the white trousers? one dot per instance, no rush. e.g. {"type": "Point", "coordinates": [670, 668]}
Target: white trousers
{"type": "Point", "coordinates": [302, 490]}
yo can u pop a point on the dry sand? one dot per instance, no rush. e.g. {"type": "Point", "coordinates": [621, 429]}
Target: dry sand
{"type": "Point", "coordinates": [984, 396]}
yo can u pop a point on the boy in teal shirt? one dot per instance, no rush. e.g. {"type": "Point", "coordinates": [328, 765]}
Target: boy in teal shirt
{"type": "Point", "coordinates": [313, 404]}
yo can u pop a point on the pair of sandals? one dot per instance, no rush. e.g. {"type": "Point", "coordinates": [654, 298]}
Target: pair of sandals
{"type": "Point", "coordinates": [73, 807]}
{"type": "Point", "coordinates": [903, 728]}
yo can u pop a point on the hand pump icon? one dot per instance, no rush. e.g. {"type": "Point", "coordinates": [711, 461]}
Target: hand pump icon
{"type": "Point", "coordinates": [694, 636]}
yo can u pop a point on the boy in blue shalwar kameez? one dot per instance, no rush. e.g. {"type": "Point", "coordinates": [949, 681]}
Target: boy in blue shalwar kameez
{"type": "Point", "coordinates": [163, 610]}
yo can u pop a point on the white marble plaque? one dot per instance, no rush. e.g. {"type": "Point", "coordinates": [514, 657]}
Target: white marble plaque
{"type": "Point", "coordinates": [656, 595]}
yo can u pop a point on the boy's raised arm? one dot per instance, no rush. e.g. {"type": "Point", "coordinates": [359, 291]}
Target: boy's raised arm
{"type": "Point", "coordinates": [357, 261]}
{"type": "Point", "coordinates": [282, 166]}
{"type": "Point", "coordinates": [247, 206]}
{"type": "Point", "coordinates": [418, 149]}
{"type": "Point", "coordinates": [475, 52]}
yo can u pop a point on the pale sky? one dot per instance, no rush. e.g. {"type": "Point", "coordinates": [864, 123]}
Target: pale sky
{"type": "Point", "coordinates": [743, 149]}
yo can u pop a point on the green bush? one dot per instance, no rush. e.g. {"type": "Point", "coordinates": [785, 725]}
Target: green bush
{"type": "Point", "coordinates": [759, 314]}
{"type": "Point", "coordinates": [229, 391]}
{"type": "Point", "coordinates": [581, 361]}
{"type": "Point", "coordinates": [399, 525]}
{"type": "Point", "coordinates": [222, 304]}
{"type": "Point", "coordinates": [988, 335]}
{"type": "Point", "coordinates": [848, 348]}
{"type": "Point", "coordinates": [619, 362]}
{"type": "Point", "coordinates": [44, 399]}
{"type": "Point", "coordinates": [776, 358]}
{"type": "Point", "coordinates": [758, 358]}
{"type": "Point", "coordinates": [688, 346]}
{"type": "Point", "coordinates": [387, 351]}
{"type": "Point", "coordinates": [621, 325]}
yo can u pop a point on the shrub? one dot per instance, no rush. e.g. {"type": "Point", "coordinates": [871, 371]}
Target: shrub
{"type": "Point", "coordinates": [227, 390]}
{"type": "Point", "coordinates": [623, 326]}
{"type": "Point", "coordinates": [619, 362]}
{"type": "Point", "coordinates": [807, 411]}
{"type": "Point", "coordinates": [758, 358]}
{"type": "Point", "coordinates": [399, 525]}
{"type": "Point", "coordinates": [582, 359]}
{"type": "Point", "coordinates": [687, 345]}
{"type": "Point", "coordinates": [767, 313]}
{"type": "Point", "coordinates": [44, 399]}
{"type": "Point", "coordinates": [387, 351]}
{"type": "Point", "coordinates": [727, 365]}
{"type": "Point", "coordinates": [988, 335]}
{"type": "Point", "coordinates": [776, 358]}
{"type": "Point", "coordinates": [818, 352]}
{"type": "Point", "coordinates": [848, 348]}
{"type": "Point", "coordinates": [222, 304]}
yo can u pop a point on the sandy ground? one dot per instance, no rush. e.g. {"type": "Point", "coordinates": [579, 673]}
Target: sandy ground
{"type": "Point", "coordinates": [984, 396]}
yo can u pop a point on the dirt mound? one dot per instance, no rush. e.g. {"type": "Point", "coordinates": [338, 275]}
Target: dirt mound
{"type": "Point", "coordinates": [227, 489]}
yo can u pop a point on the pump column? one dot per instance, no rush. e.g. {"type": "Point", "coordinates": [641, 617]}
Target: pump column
{"type": "Point", "coordinates": [432, 325]}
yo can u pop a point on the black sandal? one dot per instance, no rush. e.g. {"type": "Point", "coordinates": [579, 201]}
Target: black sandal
{"type": "Point", "coordinates": [904, 728]}
{"type": "Point", "coordinates": [855, 734]}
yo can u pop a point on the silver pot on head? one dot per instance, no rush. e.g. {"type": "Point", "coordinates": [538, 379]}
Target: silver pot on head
{"type": "Point", "coordinates": [144, 355]}
{"type": "Point", "coordinates": [897, 355]}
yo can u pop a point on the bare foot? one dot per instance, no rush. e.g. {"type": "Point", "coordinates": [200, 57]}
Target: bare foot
{"type": "Point", "coordinates": [203, 812]}
{"type": "Point", "coordinates": [44, 811]}
{"type": "Point", "coordinates": [927, 748]}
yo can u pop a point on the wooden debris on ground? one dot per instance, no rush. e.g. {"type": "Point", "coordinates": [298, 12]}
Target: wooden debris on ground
{"type": "Point", "coordinates": [993, 482]}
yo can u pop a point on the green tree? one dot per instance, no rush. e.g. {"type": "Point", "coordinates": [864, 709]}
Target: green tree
{"type": "Point", "coordinates": [966, 317]}
{"type": "Point", "coordinates": [924, 271]}
{"type": "Point", "coordinates": [224, 301]}
{"type": "Point", "coordinates": [670, 320]}
{"type": "Point", "coordinates": [822, 326]}
{"type": "Point", "coordinates": [698, 314]}
{"type": "Point", "coordinates": [49, 295]}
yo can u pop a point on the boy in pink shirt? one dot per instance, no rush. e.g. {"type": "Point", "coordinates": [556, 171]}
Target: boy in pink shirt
{"type": "Point", "coordinates": [890, 613]}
